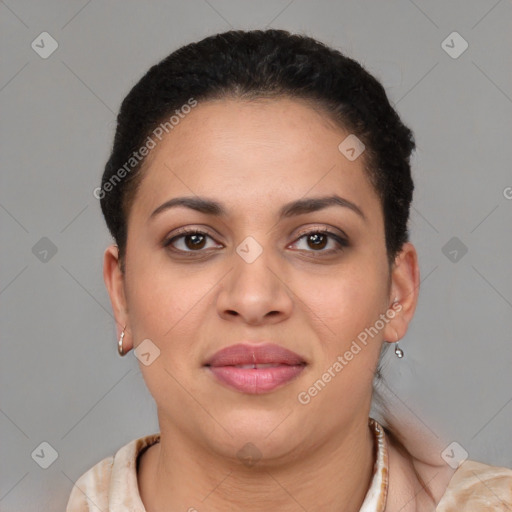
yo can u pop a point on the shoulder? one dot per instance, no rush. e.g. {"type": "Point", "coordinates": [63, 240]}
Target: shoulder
{"type": "Point", "coordinates": [475, 487]}
{"type": "Point", "coordinates": [111, 481]}
{"type": "Point", "coordinates": [90, 491]}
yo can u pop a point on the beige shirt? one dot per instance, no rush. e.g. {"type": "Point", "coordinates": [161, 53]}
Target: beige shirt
{"type": "Point", "coordinates": [111, 485]}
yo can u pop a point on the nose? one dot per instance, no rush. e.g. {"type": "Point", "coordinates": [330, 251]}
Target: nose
{"type": "Point", "coordinates": [255, 292]}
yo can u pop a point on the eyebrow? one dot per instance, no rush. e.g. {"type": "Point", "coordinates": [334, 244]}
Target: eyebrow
{"type": "Point", "coordinates": [298, 207]}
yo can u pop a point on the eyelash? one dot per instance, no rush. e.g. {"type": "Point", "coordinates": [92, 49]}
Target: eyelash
{"type": "Point", "coordinates": [342, 242]}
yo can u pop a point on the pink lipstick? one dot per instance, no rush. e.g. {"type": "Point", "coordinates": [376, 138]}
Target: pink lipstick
{"type": "Point", "coordinates": [255, 369]}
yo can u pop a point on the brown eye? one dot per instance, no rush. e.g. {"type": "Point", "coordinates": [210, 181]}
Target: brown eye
{"type": "Point", "coordinates": [317, 240]}
{"type": "Point", "coordinates": [194, 241]}
{"type": "Point", "coordinates": [189, 241]}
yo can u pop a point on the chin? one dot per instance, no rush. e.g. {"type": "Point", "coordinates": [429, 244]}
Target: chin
{"type": "Point", "coordinates": [270, 430]}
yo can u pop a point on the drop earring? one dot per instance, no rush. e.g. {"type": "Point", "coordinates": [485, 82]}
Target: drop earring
{"type": "Point", "coordinates": [398, 351]}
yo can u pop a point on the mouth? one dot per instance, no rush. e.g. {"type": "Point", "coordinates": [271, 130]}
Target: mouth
{"type": "Point", "coordinates": [255, 369]}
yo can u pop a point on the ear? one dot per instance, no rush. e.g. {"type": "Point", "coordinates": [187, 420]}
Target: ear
{"type": "Point", "coordinates": [405, 282]}
{"type": "Point", "coordinates": [114, 281]}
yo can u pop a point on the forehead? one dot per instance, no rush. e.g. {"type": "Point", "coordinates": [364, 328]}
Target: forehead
{"type": "Point", "coordinates": [253, 152]}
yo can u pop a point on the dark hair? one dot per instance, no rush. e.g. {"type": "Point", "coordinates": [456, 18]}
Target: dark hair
{"type": "Point", "coordinates": [270, 63]}
{"type": "Point", "coordinates": [248, 65]}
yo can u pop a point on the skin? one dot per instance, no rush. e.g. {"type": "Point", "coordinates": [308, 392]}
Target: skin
{"type": "Point", "coordinates": [253, 157]}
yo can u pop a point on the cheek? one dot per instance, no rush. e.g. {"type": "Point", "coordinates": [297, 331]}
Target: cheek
{"type": "Point", "coordinates": [159, 300]}
{"type": "Point", "coordinates": [169, 310]}
{"type": "Point", "coordinates": [346, 301]}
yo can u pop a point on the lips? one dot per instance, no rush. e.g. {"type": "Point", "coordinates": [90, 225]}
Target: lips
{"type": "Point", "coordinates": [255, 369]}
{"type": "Point", "coordinates": [244, 354]}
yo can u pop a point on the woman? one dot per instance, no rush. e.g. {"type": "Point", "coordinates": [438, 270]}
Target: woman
{"type": "Point", "coordinates": [258, 192]}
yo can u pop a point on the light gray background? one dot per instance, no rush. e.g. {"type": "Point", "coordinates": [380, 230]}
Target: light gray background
{"type": "Point", "coordinates": [61, 378]}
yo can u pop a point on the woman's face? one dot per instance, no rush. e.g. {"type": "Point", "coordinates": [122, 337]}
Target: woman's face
{"type": "Point", "coordinates": [254, 276]}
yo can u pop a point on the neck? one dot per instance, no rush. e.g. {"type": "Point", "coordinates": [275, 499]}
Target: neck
{"type": "Point", "coordinates": [175, 475]}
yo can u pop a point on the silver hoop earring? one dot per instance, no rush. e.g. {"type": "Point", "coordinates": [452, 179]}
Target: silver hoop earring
{"type": "Point", "coordinates": [120, 348]}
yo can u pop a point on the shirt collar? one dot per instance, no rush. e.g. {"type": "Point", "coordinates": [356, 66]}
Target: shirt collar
{"type": "Point", "coordinates": [375, 499]}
